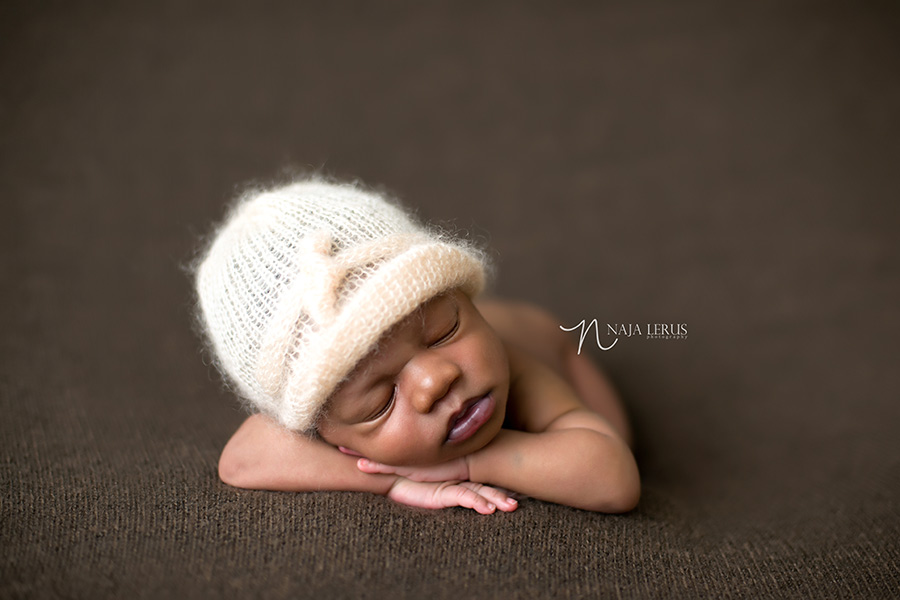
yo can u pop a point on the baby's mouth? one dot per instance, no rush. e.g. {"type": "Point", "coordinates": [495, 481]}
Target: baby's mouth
{"type": "Point", "coordinates": [470, 418]}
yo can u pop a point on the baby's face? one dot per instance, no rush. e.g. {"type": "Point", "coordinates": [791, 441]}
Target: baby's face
{"type": "Point", "coordinates": [434, 390]}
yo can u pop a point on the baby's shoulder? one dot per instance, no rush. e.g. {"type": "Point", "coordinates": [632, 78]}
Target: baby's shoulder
{"type": "Point", "coordinates": [527, 326]}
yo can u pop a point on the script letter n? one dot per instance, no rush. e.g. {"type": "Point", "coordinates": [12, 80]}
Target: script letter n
{"type": "Point", "coordinates": [585, 329]}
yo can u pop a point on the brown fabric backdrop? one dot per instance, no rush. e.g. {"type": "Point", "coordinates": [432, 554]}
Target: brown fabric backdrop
{"type": "Point", "coordinates": [731, 167]}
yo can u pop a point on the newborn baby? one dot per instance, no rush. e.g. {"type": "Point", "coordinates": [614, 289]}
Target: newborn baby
{"type": "Point", "coordinates": [353, 334]}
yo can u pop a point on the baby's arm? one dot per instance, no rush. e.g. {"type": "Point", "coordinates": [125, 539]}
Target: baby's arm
{"type": "Point", "coordinates": [264, 456]}
{"type": "Point", "coordinates": [566, 452]}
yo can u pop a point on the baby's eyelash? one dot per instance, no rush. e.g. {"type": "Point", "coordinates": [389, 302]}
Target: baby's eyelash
{"type": "Point", "coordinates": [449, 334]}
{"type": "Point", "coordinates": [386, 406]}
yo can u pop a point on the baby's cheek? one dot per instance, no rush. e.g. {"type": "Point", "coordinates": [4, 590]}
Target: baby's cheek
{"type": "Point", "coordinates": [406, 446]}
{"type": "Point", "coordinates": [400, 450]}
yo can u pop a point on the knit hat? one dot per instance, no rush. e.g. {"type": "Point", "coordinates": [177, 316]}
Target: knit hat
{"type": "Point", "coordinates": [301, 281]}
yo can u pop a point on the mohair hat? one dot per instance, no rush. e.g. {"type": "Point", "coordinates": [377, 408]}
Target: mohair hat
{"type": "Point", "coordinates": [301, 281]}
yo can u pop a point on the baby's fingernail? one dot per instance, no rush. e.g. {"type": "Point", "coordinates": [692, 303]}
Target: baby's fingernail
{"type": "Point", "coordinates": [511, 501]}
{"type": "Point", "coordinates": [491, 506]}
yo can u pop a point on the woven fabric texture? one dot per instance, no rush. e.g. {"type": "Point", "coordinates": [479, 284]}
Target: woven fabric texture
{"type": "Point", "coordinates": [730, 167]}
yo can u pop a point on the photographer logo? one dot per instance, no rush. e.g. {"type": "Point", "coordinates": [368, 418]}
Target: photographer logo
{"type": "Point", "coordinates": [614, 331]}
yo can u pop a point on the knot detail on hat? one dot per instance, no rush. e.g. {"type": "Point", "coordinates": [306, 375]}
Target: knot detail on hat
{"type": "Point", "coordinates": [320, 274]}
{"type": "Point", "coordinates": [314, 296]}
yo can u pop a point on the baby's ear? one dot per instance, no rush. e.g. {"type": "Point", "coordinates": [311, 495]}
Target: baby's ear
{"type": "Point", "coordinates": [349, 451]}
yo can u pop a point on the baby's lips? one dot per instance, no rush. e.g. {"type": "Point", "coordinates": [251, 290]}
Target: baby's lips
{"type": "Point", "coordinates": [470, 417]}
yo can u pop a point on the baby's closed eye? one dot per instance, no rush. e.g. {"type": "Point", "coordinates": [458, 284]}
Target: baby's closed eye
{"type": "Point", "coordinates": [442, 322]}
{"type": "Point", "coordinates": [384, 404]}
{"type": "Point", "coordinates": [448, 333]}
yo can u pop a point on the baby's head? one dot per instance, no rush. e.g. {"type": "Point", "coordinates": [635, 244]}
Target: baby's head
{"type": "Point", "coordinates": [311, 295]}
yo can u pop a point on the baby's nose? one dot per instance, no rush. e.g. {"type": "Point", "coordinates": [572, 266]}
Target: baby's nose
{"type": "Point", "coordinates": [431, 377]}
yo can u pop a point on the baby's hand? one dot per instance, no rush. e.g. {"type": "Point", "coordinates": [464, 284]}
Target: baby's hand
{"type": "Point", "coordinates": [451, 470]}
{"type": "Point", "coordinates": [444, 494]}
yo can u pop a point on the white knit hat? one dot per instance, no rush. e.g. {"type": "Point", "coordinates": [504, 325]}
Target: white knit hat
{"type": "Point", "coordinates": [301, 281]}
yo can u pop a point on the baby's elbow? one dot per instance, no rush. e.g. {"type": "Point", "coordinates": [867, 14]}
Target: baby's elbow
{"type": "Point", "coordinates": [619, 491]}
{"type": "Point", "coordinates": [232, 470]}
{"type": "Point", "coordinates": [616, 498]}
{"type": "Point", "coordinates": [625, 498]}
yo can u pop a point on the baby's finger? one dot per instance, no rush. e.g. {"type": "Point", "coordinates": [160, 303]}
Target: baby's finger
{"type": "Point", "coordinates": [462, 495]}
{"type": "Point", "coordinates": [370, 466]}
{"type": "Point", "coordinates": [499, 498]}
